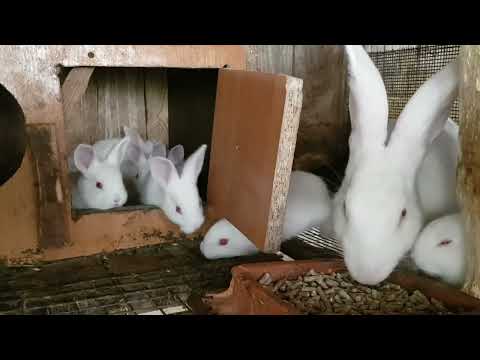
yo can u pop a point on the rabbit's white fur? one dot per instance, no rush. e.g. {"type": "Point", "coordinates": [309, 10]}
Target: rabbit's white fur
{"type": "Point", "coordinates": [176, 194]}
{"type": "Point", "coordinates": [440, 249]}
{"type": "Point", "coordinates": [308, 204]}
{"type": "Point", "coordinates": [234, 242]}
{"type": "Point", "coordinates": [381, 181]}
{"type": "Point", "coordinates": [99, 165]}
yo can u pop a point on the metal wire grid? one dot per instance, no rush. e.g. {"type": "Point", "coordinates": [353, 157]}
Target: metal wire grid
{"type": "Point", "coordinates": [405, 70]}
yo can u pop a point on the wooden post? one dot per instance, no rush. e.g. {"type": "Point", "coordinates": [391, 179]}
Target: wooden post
{"type": "Point", "coordinates": [468, 175]}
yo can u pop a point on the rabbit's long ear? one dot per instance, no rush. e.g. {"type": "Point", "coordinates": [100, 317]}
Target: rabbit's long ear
{"type": "Point", "coordinates": [193, 165]}
{"type": "Point", "coordinates": [425, 114]}
{"type": "Point", "coordinates": [176, 154]}
{"type": "Point", "coordinates": [367, 102]}
{"type": "Point", "coordinates": [84, 157]}
{"type": "Point", "coordinates": [117, 154]}
{"type": "Point", "coordinates": [162, 170]}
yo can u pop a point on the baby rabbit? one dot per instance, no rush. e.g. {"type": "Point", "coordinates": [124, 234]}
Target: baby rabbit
{"type": "Point", "coordinates": [176, 194]}
{"type": "Point", "coordinates": [308, 204]}
{"type": "Point", "coordinates": [100, 184]}
{"type": "Point", "coordinates": [223, 240]}
{"type": "Point", "coordinates": [395, 181]}
{"type": "Point", "coordinates": [440, 250]}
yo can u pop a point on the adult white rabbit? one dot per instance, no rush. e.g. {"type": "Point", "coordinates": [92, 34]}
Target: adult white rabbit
{"type": "Point", "coordinates": [308, 204]}
{"type": "Point", "coordinates": [440, 249]}
{"type": "Point", "coordinates": [390, 185]}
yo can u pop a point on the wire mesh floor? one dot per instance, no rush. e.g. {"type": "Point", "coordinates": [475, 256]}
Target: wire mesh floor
{"type": "Point", "coordinates": [156, 280]}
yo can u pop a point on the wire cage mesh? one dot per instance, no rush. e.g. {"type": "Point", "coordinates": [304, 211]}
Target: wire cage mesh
{"type": "Point", "coordinates": [405, 68]}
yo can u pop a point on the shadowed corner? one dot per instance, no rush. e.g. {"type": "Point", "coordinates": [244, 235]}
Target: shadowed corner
{"type": "Point", "coordinates": [13, 138]}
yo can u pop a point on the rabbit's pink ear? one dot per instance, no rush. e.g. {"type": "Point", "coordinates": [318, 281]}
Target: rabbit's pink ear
{"type": "Point", "coordinates": [159, 149]}
{"type": "Point", "coordinates": [426, 113]}
{"type": "Point", "coordinates": [133, 152]}
{"type": "Point", "coordinates": [193, 165]}
{"type": "Point", "coordinates": [117, 154]}
{"type": "Point", "coordinates": [368, 103]}
{"type": "Point", "coordinates": [83, 157]}
{"type": "Point", "coordinates": [176, 154]}
{"type": "Point", "coordinates": [162, 170]}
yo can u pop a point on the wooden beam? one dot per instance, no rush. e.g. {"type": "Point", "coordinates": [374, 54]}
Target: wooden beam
{"type": "Point", "coordinates": [75, 86]}
{"type": "Point", "coordinates": [468, 175]}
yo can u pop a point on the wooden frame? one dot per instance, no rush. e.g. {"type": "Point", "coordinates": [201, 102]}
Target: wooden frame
{"type": "Point", "coordinates": [35, 207]}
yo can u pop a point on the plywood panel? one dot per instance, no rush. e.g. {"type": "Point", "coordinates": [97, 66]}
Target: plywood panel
{"type": "Point", "coordinates": [256, 119]}
{"type": "Point", "coordinates": [156, 100]}
{"type": "Point", "coordinates": [121, 101]}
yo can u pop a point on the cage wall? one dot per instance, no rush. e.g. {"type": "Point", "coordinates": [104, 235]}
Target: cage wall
{"type": "Point", "coordinates": [404, 68]}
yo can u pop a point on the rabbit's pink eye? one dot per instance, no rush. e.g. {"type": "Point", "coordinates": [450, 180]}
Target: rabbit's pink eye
{"type": "Point", "coordinates": [223, 242]}
{"type": "Point", "coordinates": [179, 209]}
{"type": "Point", "coordinates": [99, 185]}
{"type": "Point", "coordinates": [445, 242]}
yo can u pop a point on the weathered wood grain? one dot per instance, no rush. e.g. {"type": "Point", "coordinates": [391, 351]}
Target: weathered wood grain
{"type": "Point", "coordinates": [468, 175]}
{"type": "Point", "coordinates": [273, 59]}
{"type": "Point", "coordinates": [121, 101]}
{"type": "Point", "coordinates": [156, 100]}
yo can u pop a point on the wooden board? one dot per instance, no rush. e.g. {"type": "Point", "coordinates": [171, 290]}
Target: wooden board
{"type": "Point", "coordinates": [191, 106]}
{"type": "Point", "coordinates": [121, 101]}
{"type": "Point", "coordinates": [52, 216]}
{"type": "Point", "coordinates": [468, 175]}
{"type": "Point", "coordinates": [255, 127]}
{"type": "Point", "coordinates": [156, 100]}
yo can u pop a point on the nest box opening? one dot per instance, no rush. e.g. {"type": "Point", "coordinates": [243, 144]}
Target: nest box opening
{"type": "Point", "coordinates": [171, 105]}
{"type": "Point", "coordinates": [13, 137]}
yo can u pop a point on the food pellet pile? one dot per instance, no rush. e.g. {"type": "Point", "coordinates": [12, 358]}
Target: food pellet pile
{"type": "Point", "coordinates": [337, 293]}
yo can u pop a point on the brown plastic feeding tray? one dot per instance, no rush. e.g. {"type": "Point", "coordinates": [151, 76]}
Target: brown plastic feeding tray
{"type": "Point", "coordinates": [246, 296]}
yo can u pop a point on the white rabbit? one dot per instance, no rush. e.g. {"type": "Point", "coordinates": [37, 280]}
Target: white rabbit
{"type": "Point", "coordinates": [440, 249]}
{"type": "Point", "coordinates": [223, 240]}
{"type": "Point", "coordinates": [176, 194]}
{"type": "Point", "coordinates": [152, 149]}
{"type": "Point", "coordinates": [308, 204]}
{"type": "Point", "coordinates": [379, 208]}
{"type": "Point", "coordinates": [100, 185]}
